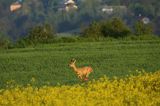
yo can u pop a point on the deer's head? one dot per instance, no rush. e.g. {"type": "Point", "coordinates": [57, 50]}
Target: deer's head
{"type": "Point", "coordinates": [72, 63]}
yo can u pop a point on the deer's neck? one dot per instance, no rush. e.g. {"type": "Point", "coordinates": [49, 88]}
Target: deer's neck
{"type": "Point", "coordinates": [74, 68]}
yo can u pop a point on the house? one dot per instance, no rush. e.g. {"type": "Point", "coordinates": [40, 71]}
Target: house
{"type": "Point", "coordinates": [146, 20]}
{"type": "Point", "coordinates": [112, 9]}
{"type": "Point", "coordinates": [70, 5]}
{"type": "Point", "coordinates": [107, 9]}
{"type": "Point", "coordinates": [15, 6]}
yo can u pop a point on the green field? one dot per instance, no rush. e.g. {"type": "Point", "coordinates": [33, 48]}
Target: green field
{"type": "Point", "coordinates": [49, 63]}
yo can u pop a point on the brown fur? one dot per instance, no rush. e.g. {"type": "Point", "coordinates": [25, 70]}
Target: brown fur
{"type": "Point", "coordinates": [82, 72]}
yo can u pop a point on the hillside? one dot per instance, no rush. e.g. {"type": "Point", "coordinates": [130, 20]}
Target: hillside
{"type": "Point", "coordinates": [34, 12]}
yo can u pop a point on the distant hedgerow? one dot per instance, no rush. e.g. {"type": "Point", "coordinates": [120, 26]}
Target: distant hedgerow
{"type": "Point", "coordinates": [115, 28]}
{"type": "Point", "coordinates": [110, 28]}
{"type": "Point", "coordinates": [41, 33]}
{"type": "Point", "coordinates": [4, 41]}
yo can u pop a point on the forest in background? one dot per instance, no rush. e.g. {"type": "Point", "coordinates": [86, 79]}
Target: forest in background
{"type": "Point", "coordinates": [39, 12]}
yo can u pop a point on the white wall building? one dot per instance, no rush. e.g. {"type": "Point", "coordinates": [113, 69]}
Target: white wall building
{"type": "Point", "coordinates": [70, 5]}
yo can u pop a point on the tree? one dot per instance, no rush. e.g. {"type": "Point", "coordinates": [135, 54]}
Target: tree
{"type": "Point", "coordinates": [110, 28]}
{"type": "Point", "coordinates": [115, 28]}
{"type": "Point", "coordinates": [41, 33]}
{"type": "Point", "coordinates": [93, 31]}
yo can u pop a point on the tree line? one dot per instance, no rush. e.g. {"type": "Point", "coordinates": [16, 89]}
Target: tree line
{"type": "Point", "coordinates": [39, 12]}
{"type": "Point", "coordinates": [114, 28]}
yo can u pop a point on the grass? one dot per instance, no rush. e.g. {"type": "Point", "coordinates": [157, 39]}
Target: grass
{"type": "Point", "coordinates": [49, 63]}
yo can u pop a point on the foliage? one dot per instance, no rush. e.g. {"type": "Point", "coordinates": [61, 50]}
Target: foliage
{"type": "Point", "coordinates": [24, 43]}
{"type": "Point", "coordinates": [41, 33]}
{"type": "Point", "coordinates": [143, 29]}
{"type": "Point", "coordinates": [4, 41]}
{"type": "Point", "coordinates": [115, 28]}
{"type": "Point", "coordinates": [93, 31]}
{"type": "Point", "coordinates": [68, 39]}
{"type": "Point", "coordinates": [138, 90]}
{"type": "Point", "coordinates": [141, 37]}
{"type": "Point", "coordinates": [18, 23]}
{"type": "Point", "coordinates": [110, 28]}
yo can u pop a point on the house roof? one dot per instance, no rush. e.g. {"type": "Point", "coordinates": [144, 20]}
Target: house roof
{"type": "Point", "coordinates": [70, 2]}
{"type": "Point", "coordinates": [15, 6]}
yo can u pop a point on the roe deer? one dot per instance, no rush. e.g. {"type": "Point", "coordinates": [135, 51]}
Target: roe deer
{"type": "Point", "coordinates": [83, 72]}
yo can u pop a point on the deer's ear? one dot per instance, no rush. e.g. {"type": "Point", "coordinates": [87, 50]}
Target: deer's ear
{"type": "Point", "coordinates": [74, 61]}
{"type": "Point", "coordinates": [71, 60]}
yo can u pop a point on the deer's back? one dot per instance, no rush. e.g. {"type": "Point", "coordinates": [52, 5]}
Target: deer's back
{"type": "Point", "coordinates": [84, 70]}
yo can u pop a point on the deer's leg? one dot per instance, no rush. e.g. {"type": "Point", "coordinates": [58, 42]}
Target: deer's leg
{"type": "Point", "coordinates": [80, 77]}
{"type": "Point", "coordinates": [87, 75]}
{"type": "Point", "coordinates": [89, 70]}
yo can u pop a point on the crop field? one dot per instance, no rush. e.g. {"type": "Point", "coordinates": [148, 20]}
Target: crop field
{"type": "Point", "coordinates": [40, 76]}
{"type": "Point", "coordinates": [48, 64]}
{"type": "Point", "coordinates": [140, 90]}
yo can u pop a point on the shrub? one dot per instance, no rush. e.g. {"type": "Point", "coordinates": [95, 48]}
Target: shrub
{"type": "Point", "coordinates": [4, 41]}
{"type": "Point", "coordinates": [38, 34]}
{"type": "Point", "coordinates": [41, 33]}
{"type": "Point", "coordinates": [111, 28]}
{"type": "Point", "coordinates": [93, 31]}
{"type": "Point", "coordinates": [24, 42]}
{"type": "Point", "coordinates": [115, 28]}
{"type": "Point", "coordinates": [140, 28]}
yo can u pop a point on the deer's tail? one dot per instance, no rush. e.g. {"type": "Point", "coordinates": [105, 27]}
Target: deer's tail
{"type": "Point", "coordinates": [90, 69]}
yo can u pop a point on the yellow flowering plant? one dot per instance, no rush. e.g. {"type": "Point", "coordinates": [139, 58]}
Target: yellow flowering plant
{"type": "Point", "coordinates": [140, 90]}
